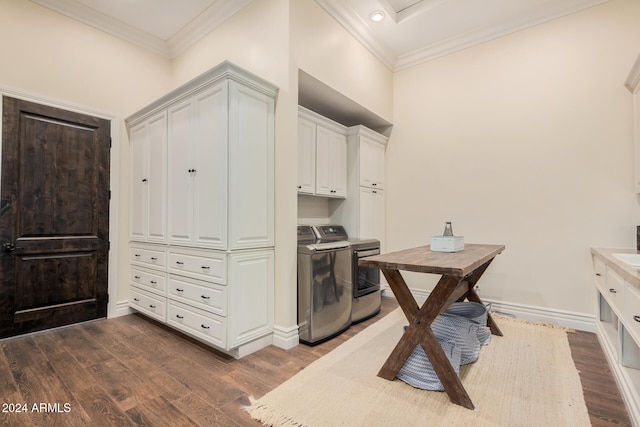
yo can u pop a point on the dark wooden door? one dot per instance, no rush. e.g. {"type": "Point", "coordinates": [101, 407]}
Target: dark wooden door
{"type": "Point", "coordinates": [54, 217]}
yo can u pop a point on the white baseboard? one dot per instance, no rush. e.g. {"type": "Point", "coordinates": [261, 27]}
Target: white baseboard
{"type": "Point", "coordinates": [121, 309]}
{"type": "Point", "coordinates": [568, 319]}
{"type": "Point", "coordinates": [285, 337]}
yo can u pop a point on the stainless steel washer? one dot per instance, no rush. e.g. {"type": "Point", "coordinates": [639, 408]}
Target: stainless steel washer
{"type": "Point", "coordinates": [324, 286]}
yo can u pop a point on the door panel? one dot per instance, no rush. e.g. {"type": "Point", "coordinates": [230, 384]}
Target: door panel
{"type": "Point", "coordinates": [54, 217]}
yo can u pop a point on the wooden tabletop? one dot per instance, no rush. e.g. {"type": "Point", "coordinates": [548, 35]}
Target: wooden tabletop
{"type": "Point", "coordinates": [423, 260]}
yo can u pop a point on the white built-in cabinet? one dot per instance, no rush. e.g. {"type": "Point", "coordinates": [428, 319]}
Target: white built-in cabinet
{"type": "Point", "coordinates": [363, 214]}
{"type": "Point", "coordinates": [618, 323]}
{"type": "Point", "coordinates": [633, 84]}
{"type": "Point", "coordinates": [202, 243]}
{"type": "Point", "coordinates": [322, 155]}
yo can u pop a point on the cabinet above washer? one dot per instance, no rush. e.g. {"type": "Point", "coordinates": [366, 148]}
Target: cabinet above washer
{"type": "Point", "coordinates": [322, 155]}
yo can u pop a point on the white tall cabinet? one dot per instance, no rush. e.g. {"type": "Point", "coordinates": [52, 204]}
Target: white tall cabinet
{"type": "Point", "coordinates": [363, 212]}
{"type": "Point", "coordinates": [202, 246]}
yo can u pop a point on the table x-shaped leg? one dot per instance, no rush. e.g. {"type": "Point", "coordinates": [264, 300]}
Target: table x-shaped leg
{"type": "Point", "coordinates": [449, 289]}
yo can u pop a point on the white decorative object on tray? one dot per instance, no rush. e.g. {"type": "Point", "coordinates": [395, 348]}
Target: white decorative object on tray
{"type": "Point", "coordinates": [447, 242]}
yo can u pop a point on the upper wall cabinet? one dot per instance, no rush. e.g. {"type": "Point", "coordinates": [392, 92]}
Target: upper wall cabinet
{"type": "Point", "coordinates": [148, 219]}
{"type": "Point", "coordinates": [633, 84]}
{"type": "Point", "coordinates": [322, 155]}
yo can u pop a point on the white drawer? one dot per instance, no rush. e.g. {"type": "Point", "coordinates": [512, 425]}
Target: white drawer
{"type": "Point", "coordinates": [149, 304]}
{"type": "Point", "coordinates": [201, 265]}
{"type": "Point", "coordinates": [148, 257]}
{"type": "Point", "coordinates": [200, 324]}
{"type": "Point", "coordinates": [613, 291]}
{"type": "Point", "coordinates": [599, 271]}
{"type": "Point", "coordinates": [153, 281]}
{"type": "Point", "coordinates": [632, 312]}
{"type": "Point", "coordinates": [207, 296]}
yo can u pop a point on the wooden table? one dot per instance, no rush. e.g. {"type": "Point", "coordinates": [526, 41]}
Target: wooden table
{"type": "Point", "coordinates": [460, 272]}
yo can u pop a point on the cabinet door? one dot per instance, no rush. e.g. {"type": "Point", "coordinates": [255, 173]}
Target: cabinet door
{"type": "Point", "coordinates": [251, 168]}
{"type": "Point", "coordinates": [148, 218]}
{"type": "Point", "coordinates": [378, 165]}
{"type": "Point", "coordinates": [210, 168]}
{"type": "Point", "coordinates": [371, 163]}
{"type": "Point", "coordinates": [372, 214]}
{"type": "Point", "coordinates": [180, 175]}
{"type": "Point", "coordinates": [338, 164]}
{"type": "Point", "coordinates": [306, 156]}
{"type": "Point", "coordinates": [139, 182]}
{"type": "Point", "coordinates": [157, 175]}
{"type": "Point", "coordinates": [331, 163]}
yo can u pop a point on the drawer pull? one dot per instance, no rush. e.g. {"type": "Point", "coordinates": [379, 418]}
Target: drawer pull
{"type": "Point", "coordinates": [204, 267]}
{"type": "Point", "coordinates": [152, 306]}
{"type": "Point", "coordinates": [613, 291]}
{"type": "Point", "coordinates": [136, 300]}
{"type": "Point", "coordinates": [136, 277]}
{"type": "Point", "coordinates": [204, 297]}
{"type": "Point", "coordinates": [153, 282]}
{"type": "Point", "coordinates": [205, 327]}
{"type": "Point", "coordinates": [598, 274]}
{"type": "Point", "coordinates": [137, 255]}
{"type": "Point", "coordinates": [154, 258]}
{"type": "Point", "coordinates": [179, 262]}
{"type": "Point", "coordinates": [179, 317]}
{"type": "Point", "coordinates": [179, 290]}
{"type": "Point", "coordinates": [636, 318]}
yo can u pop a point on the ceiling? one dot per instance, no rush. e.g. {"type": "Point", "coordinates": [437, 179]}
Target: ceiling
{"type": "Point", "coordinates": [412, 31]}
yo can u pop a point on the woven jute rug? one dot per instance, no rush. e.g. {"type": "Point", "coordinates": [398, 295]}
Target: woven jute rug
{"type": "Point", "coordinates": [525, 378]}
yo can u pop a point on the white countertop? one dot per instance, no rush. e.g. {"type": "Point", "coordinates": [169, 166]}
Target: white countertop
{"type": "Point", "coordinates": [629, 274]}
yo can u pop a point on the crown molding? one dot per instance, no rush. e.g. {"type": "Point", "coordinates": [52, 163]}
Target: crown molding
{"type": "Point", "coordinates": [206, 22]}
{"type": "Point", "coordinates": [351, 21]}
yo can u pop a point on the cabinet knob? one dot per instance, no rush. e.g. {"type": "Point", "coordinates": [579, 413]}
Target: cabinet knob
{"type": "Point", "coordinates": [179, 262]}
{"type": "Point", "coordinates": [152, 306]}
{"type": "Point", "coordinates": [136, 277]}
{"type": "Point", "coordinates": [204, 297]}
{"type": "Point", "coordinates": [613, 291]}
{"type": "Point", "coordinates": [153, 282]}
{"type": "Point", "coordinates": [179, 290]}
{"type": "Point", "coordinates": [145, 180]}
{"type": "Point", "coordinates": [179, 317]}
{"type": "Point", "coordinates": [374, 184]}
{"type": "Point", "coordinates": [154, 258]}
{"type": "Point", "coordinates": [136, 300]}
{"type": "Point", "coordinates": [205, 327]}
{"type": "Point", "coordinates": [636, 318]}
{"type": "Point", "coordinates": [299, 187]}
{"type": "Point", "coordinates": [598, 274]}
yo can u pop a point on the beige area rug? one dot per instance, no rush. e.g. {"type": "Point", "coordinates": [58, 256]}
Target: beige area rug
{"type": "Point", "coordinates": [526, 378]}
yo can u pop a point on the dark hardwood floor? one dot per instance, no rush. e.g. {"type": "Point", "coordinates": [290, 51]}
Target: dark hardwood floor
{"type": "Point", "coordinates": [132, 371]}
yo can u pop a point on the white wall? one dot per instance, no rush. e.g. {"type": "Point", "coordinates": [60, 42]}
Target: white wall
{"type": "Point", "coordinates": [50, 58]}
{"type": "Point", "coordinates": [524, 141]}
{"type": "Point", "coordinates": [324, 49]}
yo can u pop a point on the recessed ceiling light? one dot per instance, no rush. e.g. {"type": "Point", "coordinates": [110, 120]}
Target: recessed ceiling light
{"type": "Point", "coordinates": [377, 16]}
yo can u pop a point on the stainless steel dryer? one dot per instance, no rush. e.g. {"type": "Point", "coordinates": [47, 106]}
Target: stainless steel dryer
{"type": "Point", "coordinates": [324, 286]}
{"type": "Point", "coordinates": [367, 293]}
